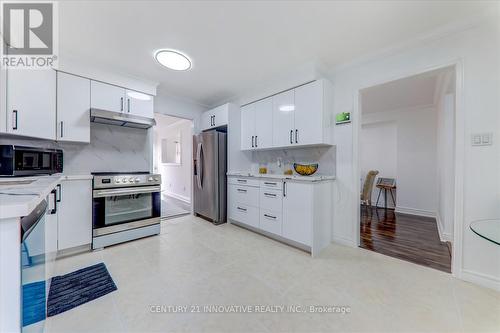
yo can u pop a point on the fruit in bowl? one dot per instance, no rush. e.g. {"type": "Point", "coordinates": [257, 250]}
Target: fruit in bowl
{"type": "Point", "coordinates": [305, 169]}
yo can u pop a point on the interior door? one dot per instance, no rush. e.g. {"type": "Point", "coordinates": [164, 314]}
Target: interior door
{"type": "Point", "coordinates": [264, 123]}
{"type": "Point", "coordinates": [205, 177]}
{"type": "Point", "coordinates": [309, 113]}
{"type": "Point", "coordinates": [248, 127]}
{"type": "Point", "coordinates": [283, 119]}
{"type": "Point", "coordinates": [31, 103]}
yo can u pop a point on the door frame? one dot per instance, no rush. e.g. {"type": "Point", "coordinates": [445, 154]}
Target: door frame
{"type": "Point", "coordinates": [152, 140]}
{"type": "Point", "coordinates": [456, 260]}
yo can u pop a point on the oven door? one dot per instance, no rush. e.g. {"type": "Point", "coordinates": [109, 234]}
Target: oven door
{"type": "Point", "coordinates": [128, 208]}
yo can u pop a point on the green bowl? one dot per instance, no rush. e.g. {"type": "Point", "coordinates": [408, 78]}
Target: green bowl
{"type": "Point", "coordinates": [305, 169]}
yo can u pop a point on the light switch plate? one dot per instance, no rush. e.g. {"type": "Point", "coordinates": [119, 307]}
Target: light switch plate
{"type": "Point", "coordinates": [482, 139]}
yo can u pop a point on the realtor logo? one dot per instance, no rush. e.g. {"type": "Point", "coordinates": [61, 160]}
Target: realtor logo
{"type": "Point", "coordinates": [29, 31]}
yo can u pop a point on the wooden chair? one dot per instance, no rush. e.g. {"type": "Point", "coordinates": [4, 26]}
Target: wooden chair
{"type": "Point", "coordinates": [366, 194]}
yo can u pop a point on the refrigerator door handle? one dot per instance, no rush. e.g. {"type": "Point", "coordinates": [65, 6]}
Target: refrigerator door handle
{"type": "Point", "coordinates": [199, 166]}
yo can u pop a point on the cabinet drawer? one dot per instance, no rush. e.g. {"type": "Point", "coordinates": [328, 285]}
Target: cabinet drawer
{"type": "Point", "coordinates": [243, 181]}
{"type": "Point", "coordinates": [244, 194]}
{"type": "Point", "coordinates": [270, 221]}
{"type": "Point", "coordinates": [271, 199]}
{"type": "Point", "coordinates": [272, 183]}
{"type": "Point", "coordinates": [244, 214]}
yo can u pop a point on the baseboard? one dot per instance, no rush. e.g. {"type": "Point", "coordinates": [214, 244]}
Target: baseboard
{"type": "Point", "coordinates": [344, 241]}
{"type": "Point", "coordinates": [178, 197]}
{"type": "Point", "coordinates": [443, 236]}
{"type": "Point", "coordinates": [413, 211]}
{"type": "Point", "coordinates": [484, 280]}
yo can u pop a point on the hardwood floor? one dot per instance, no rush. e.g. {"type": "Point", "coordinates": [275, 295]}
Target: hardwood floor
{"type": "Point", "coordinates": [408, 237]}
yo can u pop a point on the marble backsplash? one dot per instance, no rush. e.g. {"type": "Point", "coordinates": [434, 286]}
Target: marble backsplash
{"type": "Point", "coordinates": [112, 148]}
{"type": "Point", "coordinates": [324, 156]}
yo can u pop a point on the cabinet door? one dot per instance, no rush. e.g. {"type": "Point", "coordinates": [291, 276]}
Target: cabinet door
{"type": "Point", "coordinates": [73, 108]}
{"type": "Point", "coordinates": [31, 103]}
{"type": "Point", "coordinates": [75, 214]}
{"type": "Point", "coordinates": [309, 114]}
{"type": "Point", "coordinates": [283, 119]}
{"type": "Point", "coordinates": [221, 116]}
{"type": "Point", "coordinates": [264, 123]}
{"type": "Point", "coordinates": [139, 104]}
{"type": "Point", "coordinates": [206, 120]}
{"type": "Point", "coordinates": [248, 127]}
{"type": "Point", "coordinates": [107, 97]}
{"type": "Point", "coordinates": [298, 212]}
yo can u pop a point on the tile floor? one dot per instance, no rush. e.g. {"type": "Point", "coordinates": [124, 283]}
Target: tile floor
{"type": "Point", "coordinates": [195, 263]}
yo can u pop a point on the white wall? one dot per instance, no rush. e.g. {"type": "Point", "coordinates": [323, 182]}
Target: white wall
{"type": "Point", "coordinates": [446, 167]}
{"type": "Point", "coordinates": [378, 151]}
{"type": "Point", "coordinates": [176, 179]}
{"type": "Point", "coordinates": [174, 106]}
{"type": "Point", "coordinates": [477, 50]}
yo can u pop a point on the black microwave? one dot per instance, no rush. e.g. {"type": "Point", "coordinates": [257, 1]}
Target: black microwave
{"type": "Point", "coordinates": [29, 161]}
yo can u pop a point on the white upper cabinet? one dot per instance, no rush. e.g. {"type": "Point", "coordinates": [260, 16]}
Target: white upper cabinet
{"type": "Point", "coordinates": [216, 117]}
{"type": "Point", "coordinates": [107, 97]}
{"type": "Point", "coordinates": [139, 104]}
{"type": "Point", "coordinates": [296, 117]}
{"type": "Point", "coordinates": [264, 123]}
{"type": "Point", "coordinates": [283, 119]}
{"type": "Point", "coordinates": [73, 108]}
{"type": "Point", "coordinates": [31, 103]}
{"type": "Point", "coordinates": [248, 127]}
{"type": "Point", "coordinates": [312, 113]}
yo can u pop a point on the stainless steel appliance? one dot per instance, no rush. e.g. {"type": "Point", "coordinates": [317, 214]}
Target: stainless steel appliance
{"type": "Point", "coordinates": [29, 161]}
{"type": "Point", "coordinates": [120, 119]}
{"type": "Point", "coordinates": [34, 286]}
{"type": "Point", "coordinates": [126, 206]}
{"type": "Point", "coordinates": [209, 178]}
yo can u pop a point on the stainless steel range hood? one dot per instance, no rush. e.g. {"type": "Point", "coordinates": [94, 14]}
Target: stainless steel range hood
{"type": "Point", "coordinates": [120, 119]}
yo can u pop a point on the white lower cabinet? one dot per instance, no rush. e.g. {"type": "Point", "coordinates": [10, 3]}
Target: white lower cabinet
{"type": "Point", "coordinates": [299, 212]}
{"type": "Point", "coordinates": [75, 213]}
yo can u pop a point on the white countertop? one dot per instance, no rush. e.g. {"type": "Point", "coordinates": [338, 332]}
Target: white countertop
{"type": "Point", "coordinates": [20, 200]}
{"type": "Point", "coordinates": [313, 178]}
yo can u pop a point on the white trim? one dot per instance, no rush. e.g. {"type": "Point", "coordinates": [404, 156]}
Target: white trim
{"type": "Point", "coordinates": [177, 196]}
{"type": "Point", "coordinates": [415, 211]}
{"type": "Point", "coordinates": [484, 280]}
{"type": "Point", "coordinates": [443, 236]}
{"type": "Point", "coordinates": [344, 241]}
{"type": "Point", "coordinates": [456, 260]}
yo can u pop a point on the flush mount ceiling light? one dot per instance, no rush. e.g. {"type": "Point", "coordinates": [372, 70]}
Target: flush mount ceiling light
{"type": "Point", "coordinates": [287, 108]}
{"type": "Point", "coordinates": [172, 59]}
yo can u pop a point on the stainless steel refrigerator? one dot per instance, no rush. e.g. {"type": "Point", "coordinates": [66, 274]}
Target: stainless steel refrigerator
{"type": "Point", "coordinates": [209, 175]}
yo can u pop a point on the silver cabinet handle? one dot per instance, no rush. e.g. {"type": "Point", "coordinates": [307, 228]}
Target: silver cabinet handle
{"type": "Point", "coordinates": [14, 119]}
{"type": "Point", "coordinates": [62, 129]}
{"type": "Point", "coordinates": [296, 136]}
{"type": "Point", "coordinates": [291, 134]}
{"type": "Point", "coordinates": [256, 145]}
{"type": "Point", "coordinates": [242, 190]}
{"type": "Point", "coordinates": [214, 119]}
{"type": "Point", "coordinates": [128, 105]}
{"type": "Point", "coordinates": [252, 141]}
{"type": "Point", "coordinates": [270, 216]}
{"type": "Point", "coordinates": [270, 195]}
{"type": "Point", "coordinates": [241, 180]}
{"type": "Point", "coordinates": [121, 103]}
{"type": "Point", "coordinates": [284, 189]}
{"type": "Point", "coordinates": [242, 209]}
{"type": "Point", "coordinates": [269, 183]}
{"type": "Point", "coordinates": [59, 191]}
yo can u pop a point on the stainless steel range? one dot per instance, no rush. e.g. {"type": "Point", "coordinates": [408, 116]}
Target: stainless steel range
{"type": "Point", "coordinates": [126, 206]}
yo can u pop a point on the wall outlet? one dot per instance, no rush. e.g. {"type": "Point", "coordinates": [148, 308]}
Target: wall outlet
{"type": "Point", "coordinates": [482, 139]}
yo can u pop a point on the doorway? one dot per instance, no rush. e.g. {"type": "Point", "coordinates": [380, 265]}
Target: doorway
{"type": "Point", "coordinates": [172, 151]}
{"type": "Point", "coordinates": [406, 163]}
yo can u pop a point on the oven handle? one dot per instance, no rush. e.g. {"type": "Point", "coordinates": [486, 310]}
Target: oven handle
{"type": "Point", "coordinates": [125, 191]}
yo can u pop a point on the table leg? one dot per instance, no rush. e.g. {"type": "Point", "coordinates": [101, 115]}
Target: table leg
{"type": "Point", "coordinates": [378, 197]}
{"type": "Point", "coordinates": [393, 200]}
{"type": "Point", "coordinates": [385, 198]}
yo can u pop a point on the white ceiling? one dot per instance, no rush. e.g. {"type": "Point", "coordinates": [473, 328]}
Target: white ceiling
{"type": "Point", "coordinates": [408, 93]}
{"type": "Point", "coordinates": [236, 46]}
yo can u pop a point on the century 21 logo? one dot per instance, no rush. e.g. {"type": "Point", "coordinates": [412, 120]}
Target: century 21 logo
{"type": "Point", "coordinates": [28, 28]}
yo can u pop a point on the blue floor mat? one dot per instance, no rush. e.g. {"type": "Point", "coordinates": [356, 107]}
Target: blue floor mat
{"type": "Point", "coordinates": [79, 287]}
{"type": "Point", "coordinates": [33, 302]}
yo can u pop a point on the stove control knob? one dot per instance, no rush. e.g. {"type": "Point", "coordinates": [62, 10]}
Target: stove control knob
{"type": "Point", "coordinates": [156, 179]}
{"type": "Point", "coordinates": [131, 180]}
{"type": "Point", "coordinates": [137, 180]}
{"type": "Point", "coordinates": [118, 180]}
{"type": "Point", "coordinates": [150, 179]}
